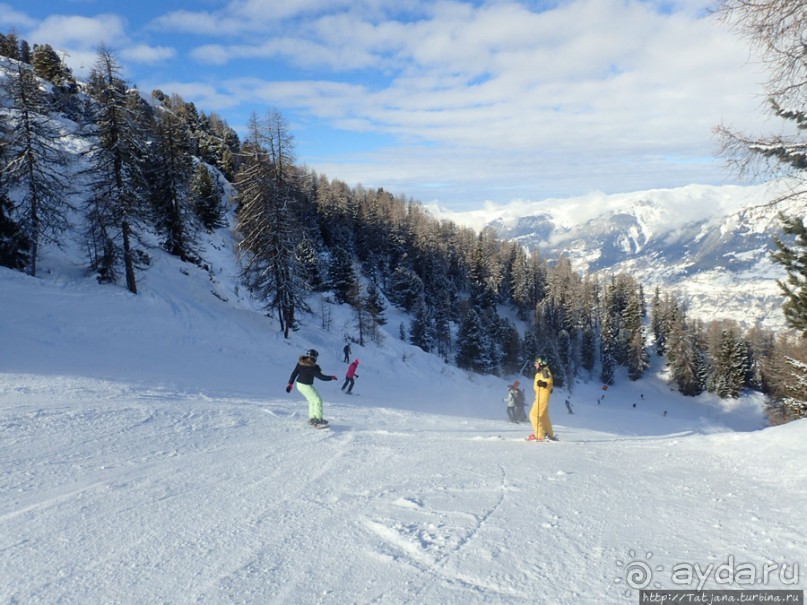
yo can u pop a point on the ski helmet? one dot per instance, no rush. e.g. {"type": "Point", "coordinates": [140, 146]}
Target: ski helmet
{"type": "Point", "coordinates": [541, 361]}
{"type": "Point", "coordinates": [312, 353]}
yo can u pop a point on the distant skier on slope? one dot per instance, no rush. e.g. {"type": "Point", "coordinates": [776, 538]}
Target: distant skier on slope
{"type": "Point", "coordinates": [515, 403]}
{"type": "Point", "coordinates": [539, 414]}
{"type": "Point", "coordinates": [350, 377]}
{"type": "Point", "coordinates": [511, 402]}
{"type": "Point", "coordinates": [304, 373]}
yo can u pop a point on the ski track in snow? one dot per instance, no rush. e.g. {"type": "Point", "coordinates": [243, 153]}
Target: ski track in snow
{"type": "Point", "coordinates": [117, 493]}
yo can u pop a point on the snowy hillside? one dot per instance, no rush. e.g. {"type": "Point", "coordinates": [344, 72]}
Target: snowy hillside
{"type": "Point", "coordinates": [709, 245]}
{"type": "Point", "coordinates": [151, 455]}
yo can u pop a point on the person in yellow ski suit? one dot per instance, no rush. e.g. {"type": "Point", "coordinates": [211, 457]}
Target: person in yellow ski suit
{"type": "Point", "coordinates": [539, 414]}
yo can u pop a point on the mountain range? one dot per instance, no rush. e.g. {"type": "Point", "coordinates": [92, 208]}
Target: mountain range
{"type": "Point", "coordinates": [710, 246]}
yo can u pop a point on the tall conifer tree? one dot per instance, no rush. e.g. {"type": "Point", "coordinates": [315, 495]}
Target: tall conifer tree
{"type": "Point", "coordinates": [34, 164]}
{"type": "Point", "coordinates": [117, 203]}
{"type": "Point", "coordinates": [266, 190]}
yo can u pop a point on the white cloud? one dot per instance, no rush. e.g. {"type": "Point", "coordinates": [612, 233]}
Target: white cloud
{"type": "Point", "coordinates": [498, 93]}
{"type": "Point", "coordinates": [141, 53]}
{"type": "Point", "coordinates": [12, 18]}
{"type": "Point", "coordinates": [275, 10]}
{"type": "Point", "coordinates": [200, 23]}
{"type": "Point", "coordinates": [65, 31]}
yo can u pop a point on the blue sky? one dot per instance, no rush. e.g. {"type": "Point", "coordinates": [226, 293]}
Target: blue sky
{"type": "Point", "coordinates": [451, 102]}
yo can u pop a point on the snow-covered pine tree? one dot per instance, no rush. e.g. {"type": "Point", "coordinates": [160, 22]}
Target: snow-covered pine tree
{"type": "Point", "coordinates": [681, 352]}
{"type": "Point", "coordinates": [697, 335]}
{"type": "Point", "coordinates": [729, 360]}
{"type": "Point", "coordinates": [265, 193]}
{"type": "Point", "coordinates": [117, 205]}
{"type": "Point", "coordinates": [609, 330]}
{"type": "Point", "coordinates": [342, 277]}
{"type": "Point", "coordinates": [170, 172]}
{"type": "Point", "coordinates": [529, 351]}
{"type": "Point", "coordinates": [369, 314]}
{"type": "Point", "coordinates": [206, 196]}
{"type": "Point", "coordinates": [589, 313]}
{"type": "Point", "coordinates": [761, 344]}
{"type": "Point", "coordinates": [404, 288]}
{"type": "Point", "coordinates": [224, 146]}
{"type": "Point", "coordinates": [795, 401]}
{"type": "Point", "coordinates": [510, 346]}
{"type": "Point", "coordinates": [49, 66]}
{"type": "Point", "coordinates": [333, 199]}
{"type": "Point", "coordinates": [784, 378]}
{"type": "Point", "coordinates": [310, 265]}
{"type": "Point", "coordinates": [552, 355]}
{"type": "Point", "coordinates": [523, 279]}
{"type": "Point", "coordinates": [607, 366]}
{"type": "Point", "coordinates": [482, 283]}
{"type": "Point", "coordinates": [473, 345]}
{"type": "Point", "coordinates": [34, 164]}
{"type": "Point", "coordinates": [622, 316]}
{"type": "Point", "coordinates": [421, 330]}
{"type": "Point", "coordinates": [657, 322]}
{"type": "Point", "coordinates": [793, 257]}
{"type": "Point", "coordinates": [211, 134]}
{"type": "Point", "coordinates": [370, 233]}
{"type": "Point", "coordinates": [564, 290]}
{"type": "Point", "coordinates": [442, 324]}
{"type": "Point", "coordinates": [588, 348]}
{"type": "Point", "coordinates": [636, 360]}
{"type": "Point", "coordinates": [637, 356]}
{"type": "Point", "coordinates": [362, 320]}
{"type": "Point", "coordinates": [374, 302]}
{"type": "Point", "coordinates": [25, 51]}
{"type": "Point", "coordinates": [10, 46]}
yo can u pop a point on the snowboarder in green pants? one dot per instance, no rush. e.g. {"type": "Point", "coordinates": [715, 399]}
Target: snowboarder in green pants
{"type": "Point", "coordinates": [304, 373]}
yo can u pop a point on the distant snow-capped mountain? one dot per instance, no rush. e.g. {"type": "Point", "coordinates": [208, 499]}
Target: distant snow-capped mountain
{"type": "Point", "coordinates": [709, 245]}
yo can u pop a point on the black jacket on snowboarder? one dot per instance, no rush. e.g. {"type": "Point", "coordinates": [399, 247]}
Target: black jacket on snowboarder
{"type": "Point", "coordinates": [306, 370]}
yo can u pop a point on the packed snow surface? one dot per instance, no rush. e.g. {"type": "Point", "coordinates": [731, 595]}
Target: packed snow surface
{"type": "Point", "coordinates": [150, 454]}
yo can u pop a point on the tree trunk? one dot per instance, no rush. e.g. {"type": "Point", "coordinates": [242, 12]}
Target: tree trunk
{"type": "Point", "coordinates": [127, 259]}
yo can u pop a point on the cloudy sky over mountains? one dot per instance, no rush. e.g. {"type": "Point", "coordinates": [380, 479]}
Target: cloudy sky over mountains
{"type": "Point", "coordinates": [449, 102]}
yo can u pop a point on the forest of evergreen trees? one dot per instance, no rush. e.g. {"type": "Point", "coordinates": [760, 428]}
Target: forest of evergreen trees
{"type": "Point", "coordinates": [161, 166]}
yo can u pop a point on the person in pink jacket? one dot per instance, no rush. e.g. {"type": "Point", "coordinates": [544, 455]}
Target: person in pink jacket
{"type": "Point", "coordinates": [350, 377]}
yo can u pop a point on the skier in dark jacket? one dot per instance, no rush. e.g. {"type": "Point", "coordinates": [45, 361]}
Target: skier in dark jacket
{"type": "Point", "coordinates": [304, 373]}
